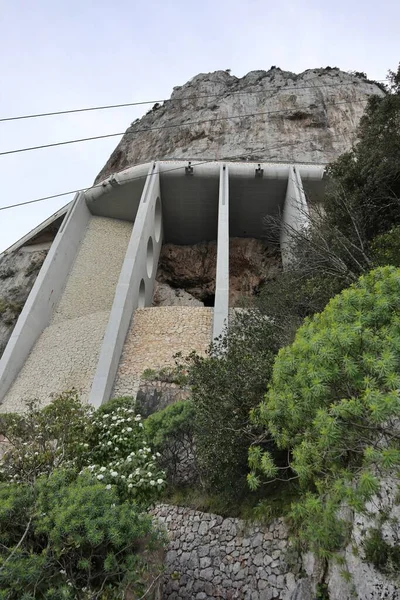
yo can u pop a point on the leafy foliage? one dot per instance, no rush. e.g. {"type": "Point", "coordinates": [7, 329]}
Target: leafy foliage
{"type": "Point", "coordinates": [80, 541]}
{"type": "Point", "coordinates": [368, 177]}
{"type": "Point", "coordinates": [43, 439]}
{"type": "Point", "coordinates": [385, 557]}
{"type": "Point", "coordinates": [166, 374]}
{"type": "Point", "coordinates": [171, 433]}
{"type": "Point", "coordinates": [386, 248]}
{"type": "Point", "coordinates": [362, 201]}
{"type": "Point", "coordinates": [71, 515]}
{"type": "Point", "coordinates": [333, 403]}
{"type": "Point", "coordinates": [226, 384]}
{"type": "Point", "coordinates": [116, 452]}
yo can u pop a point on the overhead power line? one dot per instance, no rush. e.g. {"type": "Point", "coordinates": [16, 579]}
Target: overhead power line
{"type": "Point", "coordinates": [227, 158]}
{"type": "Point", "coordinates": [170, 126]}
{"type": "Point", "coordinates": [182, 99]}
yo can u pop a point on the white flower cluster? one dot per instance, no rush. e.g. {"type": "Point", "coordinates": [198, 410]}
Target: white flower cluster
{"type": "Point", "coordinates": [125, 458]}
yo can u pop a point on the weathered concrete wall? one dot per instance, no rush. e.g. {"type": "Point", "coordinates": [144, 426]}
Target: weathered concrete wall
{"type": "Point", "coordinates": [135, 285]}
{"type": "Point", "coordinates": [66, 353]}
{"type": "Point", "coordinates": [155, 336]}
{"type": "Point", "coordinates": [210, 557]}
{"type": "Point", "coordinates": [45, 293]}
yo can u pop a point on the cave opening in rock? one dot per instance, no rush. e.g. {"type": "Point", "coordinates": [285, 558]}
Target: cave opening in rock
{"type": "Point", "coordinates": [186, 275]}
{"type": "Point", "coordinates": [209, 300]}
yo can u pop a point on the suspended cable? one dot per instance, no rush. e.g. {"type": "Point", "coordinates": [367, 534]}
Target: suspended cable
{"type": "Point", "coordinates": [170, 126]}
{"type": "Point", "coordinates": [241, 155]}
{"type": "Point", "coordinates": [182, 99]}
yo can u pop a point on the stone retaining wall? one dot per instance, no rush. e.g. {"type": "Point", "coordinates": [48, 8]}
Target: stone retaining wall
{"type": "Point", "coordinates": [212, 557]}
{"type": "Point", "coordinates": [156, 334]}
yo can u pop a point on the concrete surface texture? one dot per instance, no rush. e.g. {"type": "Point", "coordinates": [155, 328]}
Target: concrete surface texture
{"type": "Point", "coordinates": [66, 353]}
{"type": "Point", "coordinates": [155, 336]}
{"type": "Point", "coordinates": [45, 293]}
{"type": "Point", "coordinates": [135, 284]}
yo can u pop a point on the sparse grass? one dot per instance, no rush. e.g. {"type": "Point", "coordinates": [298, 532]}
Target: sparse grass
{"type": "Point", "coordinates": [6, 272]}
{"type": "Point", "coordinates": [383, 556]}
{"type": "Point", "coordinates": [264, 506]}
{"type": "Point", "coordinates": [7, 307]}
{"type": "Point", "coordinates": [166, 374]}
{"type": "Point", "coordinates": [34, 267]}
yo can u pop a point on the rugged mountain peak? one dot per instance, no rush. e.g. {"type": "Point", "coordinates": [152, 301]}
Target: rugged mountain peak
{"type": "Point", "coordinates": [269, 115]}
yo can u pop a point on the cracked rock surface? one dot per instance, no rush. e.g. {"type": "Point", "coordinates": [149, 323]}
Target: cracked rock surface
{"type": "Point", "coordinates": [270, 115]}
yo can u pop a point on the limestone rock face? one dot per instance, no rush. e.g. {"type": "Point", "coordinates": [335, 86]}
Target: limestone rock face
{"type": "Point", "coordinates": [186, 274]}
{"type": "Point", "coordinates": [165, 295]}
{"type": "Point", "coordinates": [272, 115]}
{"type": "Point", "coordinates": [18, 272]}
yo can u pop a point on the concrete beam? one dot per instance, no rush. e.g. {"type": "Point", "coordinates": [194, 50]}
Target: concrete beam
{"type": "Point", "coordinates": [135, 285]}
{"type": "Point", "coordinates": [221, 306]}
{"type": "Point", "coordinates": [295, 214]}
{"type": "Point", "coordinates": [45, 293]}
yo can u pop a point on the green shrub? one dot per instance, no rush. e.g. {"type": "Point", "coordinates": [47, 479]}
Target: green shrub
{"type": "Point", "coordinates": [225, 385]}
{"type": "Point", "coordinates": [175, 374]}
{"type": "Point", "coordinates": [42, 439]}
{"type": "Point", "coordinates": [333, 403]}
{"type": "Point", "coordinates": [116, 452]}
{"type": "Point", "coordinates": [385, 557]}
{"type": "Point", "coordinates": [386, 248]}
{"type": "Point", "coordinates": [78, 541]}
{"type": "Point", "coordinates": [170, 432]}
{"type": "Point", "coordinates": [71, 520]}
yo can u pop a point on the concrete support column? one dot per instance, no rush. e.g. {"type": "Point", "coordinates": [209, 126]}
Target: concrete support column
{"type": "Point", "coordinates": [295, 214]}
{"type": "Point", "coordinates": [221, 306]}
{"type": "Point", "coordinates": [45, 292]}
{"type": "Point", "coordinates": [135, 285]}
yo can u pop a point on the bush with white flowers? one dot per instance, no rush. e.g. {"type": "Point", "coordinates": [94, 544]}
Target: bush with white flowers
{"type": "Point", "coordinates": [118, 454]}
{"type": "Point", "coordinates": [74, 487]}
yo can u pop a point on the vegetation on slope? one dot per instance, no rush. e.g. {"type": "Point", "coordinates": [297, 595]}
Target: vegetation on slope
{"type": "Point", "coordinates": [74, 489]}
{"type": "Point", "coordinates": [328, 419]}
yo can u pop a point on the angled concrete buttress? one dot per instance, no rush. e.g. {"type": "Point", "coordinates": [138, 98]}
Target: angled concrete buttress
{"type": "Point", "coordinates": [295, 214]}
{"type": "Point", "coordinates": [135, 285]}
{"type": "Point", "coordinates": [45, 293]}
{"type": "Point", "coordinates": [221, 305]}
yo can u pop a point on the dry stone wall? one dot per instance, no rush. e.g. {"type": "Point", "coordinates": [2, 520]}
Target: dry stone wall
{"type": "Point", "coordinates": [155, 336]}
{"type": "Point", "coordinates": [66, 353]}
{"type": "Point", "coordinates": [211, 557]}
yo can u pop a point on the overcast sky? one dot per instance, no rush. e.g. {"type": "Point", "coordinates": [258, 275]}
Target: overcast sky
{"type": "Point", "coordinates": [64, 54]}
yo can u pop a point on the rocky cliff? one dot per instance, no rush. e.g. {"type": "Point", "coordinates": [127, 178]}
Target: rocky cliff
{"type": "Point", "coordinates": [186, 274]}
{"type": "Point", "coordinates": [270, 115]}
{"type": "Point", "coordinates": [18, 272]}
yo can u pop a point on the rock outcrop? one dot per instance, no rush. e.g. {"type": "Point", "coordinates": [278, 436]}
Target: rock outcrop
{"type": "Point", "coordinates": [18, 272]}
{"type": "Point", "coordinates": [165, 295]}
{"type": "Point", "coordinates": [191, 270]}
{"type": "Point", "coordinates": [270, 115]}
